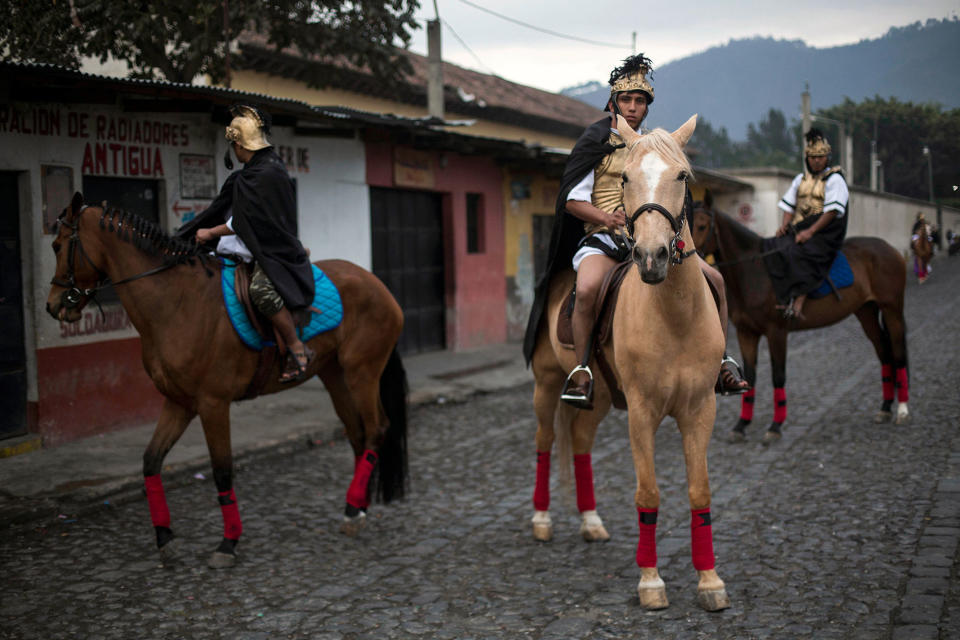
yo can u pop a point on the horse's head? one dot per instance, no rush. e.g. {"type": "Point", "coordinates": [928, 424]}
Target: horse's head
{"type": "Point", "coordinates": [703, 225]}
{"type": "Point", "coordinates": [76, 276]}
{"type": "Point", "coordinates": [655, 183]}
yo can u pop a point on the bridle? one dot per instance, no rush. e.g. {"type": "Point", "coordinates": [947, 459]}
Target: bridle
{"type": "Point", "coordinates": [73, 295]}
{"type": "Point", "coordinates": [716, 241]}
{"type": "Point", "coordinates": [677, 254]}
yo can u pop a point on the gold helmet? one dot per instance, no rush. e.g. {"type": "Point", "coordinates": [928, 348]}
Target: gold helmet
{"type": "Point", "coordinates": [817, 144]}
{"type": "Point", "coordinates": [248, 128]}
{"type": "Point", "coordinates": [632, 76]}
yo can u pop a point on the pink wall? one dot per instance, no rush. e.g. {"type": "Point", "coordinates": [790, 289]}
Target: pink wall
{"type": "Point", "coordinates": [476, 283]}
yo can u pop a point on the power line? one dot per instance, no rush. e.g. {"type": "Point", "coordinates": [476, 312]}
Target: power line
{"type": "Point", "coordinates": [547, 31]}
{"type": "Point", "coordinates": [469, 50]}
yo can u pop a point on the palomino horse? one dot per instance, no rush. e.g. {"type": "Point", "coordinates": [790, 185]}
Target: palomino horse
{"type": "Point", "coordinates": [922, 252]}
{"type": "Point", "coordinates": [876, 298]}
{"type": "Point", "coordinates": [199, 364]}
{"type": "Point", "coordinates": [666, 348]}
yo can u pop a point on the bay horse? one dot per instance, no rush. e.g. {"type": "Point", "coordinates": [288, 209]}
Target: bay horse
{"type": "Point", "coordinates": [875, 297]}
{"type": "Point", "coordinates": [666, 346]}
{"type": "Point", "coordinates": [198, 363]}
{"type": "Point", "coordinates": [922, 250]}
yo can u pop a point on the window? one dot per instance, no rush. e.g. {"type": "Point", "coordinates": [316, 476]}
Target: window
{"type": "Point", "coordinates": [475, 223]}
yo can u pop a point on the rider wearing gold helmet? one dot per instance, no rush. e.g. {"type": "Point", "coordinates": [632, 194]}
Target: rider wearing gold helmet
{"type": "Point", "coordinates": [812, 229]}
{"type": "Point", "coordinates": [588, 231]}
{"type": "Point", "coordinates": [254, 219]}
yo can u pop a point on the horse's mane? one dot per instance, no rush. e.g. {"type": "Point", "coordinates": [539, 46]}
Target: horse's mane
{"type": "Point", "coordinates": [661, 142]}
{"type": "Point", "coordinates": [148, 237]}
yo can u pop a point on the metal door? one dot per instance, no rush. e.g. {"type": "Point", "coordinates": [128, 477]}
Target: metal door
{"type": "Point", "coordinates": [407, 230]}
{"type": "Point", "coordinates": [13, 368]}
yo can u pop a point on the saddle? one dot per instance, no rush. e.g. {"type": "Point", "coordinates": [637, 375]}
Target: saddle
{"type": "Point", "coordinates": [270, 352]}
{"type": "Point", "coordinates": [603, 326]}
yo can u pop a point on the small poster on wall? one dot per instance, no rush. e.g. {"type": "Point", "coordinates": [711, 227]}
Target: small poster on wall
{"type": "Point", "coordinates": [57, 186]}
{"type": "Point", "coordinates": [198, 177]}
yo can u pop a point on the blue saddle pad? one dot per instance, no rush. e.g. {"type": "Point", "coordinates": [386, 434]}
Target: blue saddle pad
{"type": "Point", "coordinates": [326, 299]}
{"type": "Point", "coordinates": [840, 274]}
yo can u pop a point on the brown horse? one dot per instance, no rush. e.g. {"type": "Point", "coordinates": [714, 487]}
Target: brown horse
{"type": "Point", "coordinates": [922, 250]}
{"type": "Point", "coordinates": [876, 298]}
{"type": "Point", "coordinates": [171, 290]}
{"type": "Point", "coordinates": [666, 348]}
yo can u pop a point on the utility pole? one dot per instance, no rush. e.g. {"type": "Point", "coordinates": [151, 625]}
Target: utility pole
{"type": "Point", "coordinates": [929, 156]}
{"type": "Point", "coordinates": [874, 161]}
{"type": "Point", "coordinates": [634, 42]}
{"type": "Point", "coordinates": [806, 120]}
{"type": "Point", "coordinates": [226, 42]}
{"type": "Point", "coordinates": [435, 73]}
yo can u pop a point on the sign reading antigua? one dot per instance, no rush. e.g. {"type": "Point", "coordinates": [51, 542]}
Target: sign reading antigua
{"type": "Point", "coordinates": [121, 145]}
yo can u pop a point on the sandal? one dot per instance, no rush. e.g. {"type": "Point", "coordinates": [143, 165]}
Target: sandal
{"type": "Point", "coordinates": [297, 364]}
{"type": "Point", "coordinates": [730, 381]}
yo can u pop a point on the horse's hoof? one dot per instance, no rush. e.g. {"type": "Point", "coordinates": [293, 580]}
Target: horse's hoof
{"type": "Point", "coordinates": [713, 600]}
{"type": "Point", "coordinates": [220, 560]}
{"type": "Point", "coordinates": [771, 437]}
{"type": "Point", "coordinates": [542, 526]}
{"type": "Point", "coordinates": [171, 553]}
{"type": "Point", "coordinates": [352, 526]}
{"type": "Point", "coordinates": [736, 437]}
{"type": "Point", "coordinates": [882, 416]}
{"type": "Point", "coordinates": [592, 529]}
{"type": "Point", "coordinates": [653, 595]}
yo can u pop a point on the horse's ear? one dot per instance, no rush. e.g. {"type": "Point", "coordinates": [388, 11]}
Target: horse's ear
{"type": "Point", "coordinates": [626, 132]}
{"type": "Point", "coordinates": [76, 204]}
{"type": "Point", "coordinates": [682, 135]}
{"type": "Point", "coordinates": [707, 199]}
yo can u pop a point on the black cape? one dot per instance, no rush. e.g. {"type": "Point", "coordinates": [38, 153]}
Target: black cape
{"type": "Point", "coordinates": [261, 199]}
{"type": "Point", "coordinates": [798, 269]}
{"type": "Point", "coordinates": [591, 148]}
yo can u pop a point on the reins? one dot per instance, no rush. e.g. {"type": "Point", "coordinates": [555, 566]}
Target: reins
{"type": "Point", "coordinates": [716, 238]}
{"type": "Point", "coordinates": [73, 295]}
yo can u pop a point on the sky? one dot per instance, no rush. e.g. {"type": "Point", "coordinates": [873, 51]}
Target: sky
{"type": "Point", "coordinates": [666, 31]}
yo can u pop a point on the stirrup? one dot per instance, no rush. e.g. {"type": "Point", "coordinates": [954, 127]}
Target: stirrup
{"type": "Point", "coordinates": [720, 388]}
{"type": "Point", "coordinates": [576, 395]}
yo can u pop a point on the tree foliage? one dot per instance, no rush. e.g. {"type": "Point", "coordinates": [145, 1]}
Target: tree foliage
{"type": "Point", "coordinates": [901, 131]}
{"type": "Point", "coordinates": [177, 40]}
{"type": "Point", "coordinates": [772, 142]}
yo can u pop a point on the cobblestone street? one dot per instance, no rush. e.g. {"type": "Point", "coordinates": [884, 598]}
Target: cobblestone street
{"type": "Point", "coordinates": [844, 529]}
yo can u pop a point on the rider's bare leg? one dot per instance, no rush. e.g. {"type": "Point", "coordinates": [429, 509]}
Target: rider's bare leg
{"type": "Point", "coordinates": [798, 306]}
{"type": "Point", "coordinates": [589, 279]}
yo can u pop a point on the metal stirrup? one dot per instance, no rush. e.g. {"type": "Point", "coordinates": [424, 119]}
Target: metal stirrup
{"type": "Point", "coordinates": [582, 367]}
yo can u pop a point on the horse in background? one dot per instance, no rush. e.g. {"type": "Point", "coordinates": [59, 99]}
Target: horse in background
{"type": "Point", "coordinates": [922, 250]}
{"type": "Point", "coordinates": [666, 345]}
{"type": "Point", "coordinates": [171, 290]}
{"type": "Point", "coordinates": [875, 297]}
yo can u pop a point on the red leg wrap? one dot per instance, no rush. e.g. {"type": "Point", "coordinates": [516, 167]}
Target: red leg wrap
{"type": "Point", "coordinates": [746, 404]}
{"type": "Point", "coordinates": [779, 404]}
{"type": "Point", "coordinates": [541, 490]}
{"type": "Point", "coordinates": [357, 494]}
{"type": "Point", "coordinates": [886, 376]}
{"type": "Point", "coordinates": [159, 513]}
{"type": "Point", "coordinates": [583, 472]}
{"type": "Point", "coordinates": [647, 544]}
{"type": "Point", "coordinates": [232, 527]}
{"type": "Point", "coordinates": [701, 539]}
{"type": "Point", "coordinates": [903, 385]}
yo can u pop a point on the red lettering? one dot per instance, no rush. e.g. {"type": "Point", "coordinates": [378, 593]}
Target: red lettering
{"type": "Point", "coordinates": [14, 122]}
{"type": "Point", "coordinates": [166, 134]}
{"type": "Point", "coordinates": [157, 138]}
{"type": "Point", "coordinates": [73, 125]}
{"type": "Point", "coordinates": [304, 159]}
{"type": "Point", "coordinates": [136, 132]}
{"type": "Point", "coordinates": [145, 157]}
{"type": "Point", "coordinates": [100, 157]}
{"type": "Point", "coordinates": [122, 129]}
{"type": "Point", "coordinates": [4, 116]}
{"type": "Point", "coordinates": [83, 125]}
{"type": "Point", "coordinates": [112, 130]}
{"type": "Point", "coordinates": [134, 164]}
{"type": "Point", "coordinates": [184, 138]}
{"type": "Point", "coordinates": [157, 163]}
{"type": "Point", "coordinates": [87, 166]}
{"type": "Point", "coordinates": [101, 126]}
{"type": "Point", "coordinates": [114, 148]}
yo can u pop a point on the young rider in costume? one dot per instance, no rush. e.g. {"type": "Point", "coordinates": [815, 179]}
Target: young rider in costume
{"type": "Point", "coordinates": [588, 231]}
{"type": "Point", "coordinates": [254, 219]}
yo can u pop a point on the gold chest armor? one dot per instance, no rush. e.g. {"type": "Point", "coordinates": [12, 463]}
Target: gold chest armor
{"type": "Point", "coordinates": [608, 183]}
{"type": "Point", "coordinates": [810, 193]}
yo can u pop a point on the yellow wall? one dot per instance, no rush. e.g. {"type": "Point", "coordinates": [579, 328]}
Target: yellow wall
{"type": "Point", "coordinates": [258, 82]}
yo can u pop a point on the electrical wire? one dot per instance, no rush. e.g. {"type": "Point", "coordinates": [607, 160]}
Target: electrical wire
{"type": "Point", "coordinates": [547, 31]}
{"type": "Point", "coordinates": [469, 50]}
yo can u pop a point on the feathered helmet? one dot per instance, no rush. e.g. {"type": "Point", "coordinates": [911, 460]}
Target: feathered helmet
{"type": "Point", "coordinates": [817, 144]}
{"type": "Point", "coordinates": [632, 76]}
{"type": "Point", "coordinates": [248, 127]}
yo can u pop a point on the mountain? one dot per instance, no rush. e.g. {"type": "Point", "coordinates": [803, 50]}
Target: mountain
{"type": "Point", "coordinates": [737, 83]}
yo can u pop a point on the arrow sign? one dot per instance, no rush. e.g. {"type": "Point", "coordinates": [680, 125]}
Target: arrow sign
{"type": "Point", "coordinates": [177, 209]}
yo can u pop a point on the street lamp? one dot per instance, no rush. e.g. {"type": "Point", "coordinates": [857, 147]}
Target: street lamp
{"type": "Point", "coordinates": [926, 152]}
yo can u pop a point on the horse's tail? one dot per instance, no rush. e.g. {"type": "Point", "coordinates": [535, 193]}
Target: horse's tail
{"type": "Point", "coordinates": [392, 465]}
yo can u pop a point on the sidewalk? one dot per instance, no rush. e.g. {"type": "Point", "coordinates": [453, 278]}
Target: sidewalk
{"type": "Point", "coordinates": [82, 475]}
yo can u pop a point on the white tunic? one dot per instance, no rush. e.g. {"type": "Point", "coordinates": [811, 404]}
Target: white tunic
{"type": "Point", "coordinates": [233, 245]}
{"type": "Point", "coordinates": [836, 196]}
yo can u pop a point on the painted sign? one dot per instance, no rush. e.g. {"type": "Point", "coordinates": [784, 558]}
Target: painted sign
{"type": "Point", "coordinates": [412, 168]}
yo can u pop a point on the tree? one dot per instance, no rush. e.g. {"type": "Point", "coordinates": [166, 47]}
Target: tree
{"type": "Point", "coordinates": [770, 143]}
{"type": "Point", "coordinates": [901, 130]}
{"type": "Point", "coordinates": [177, 40]}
